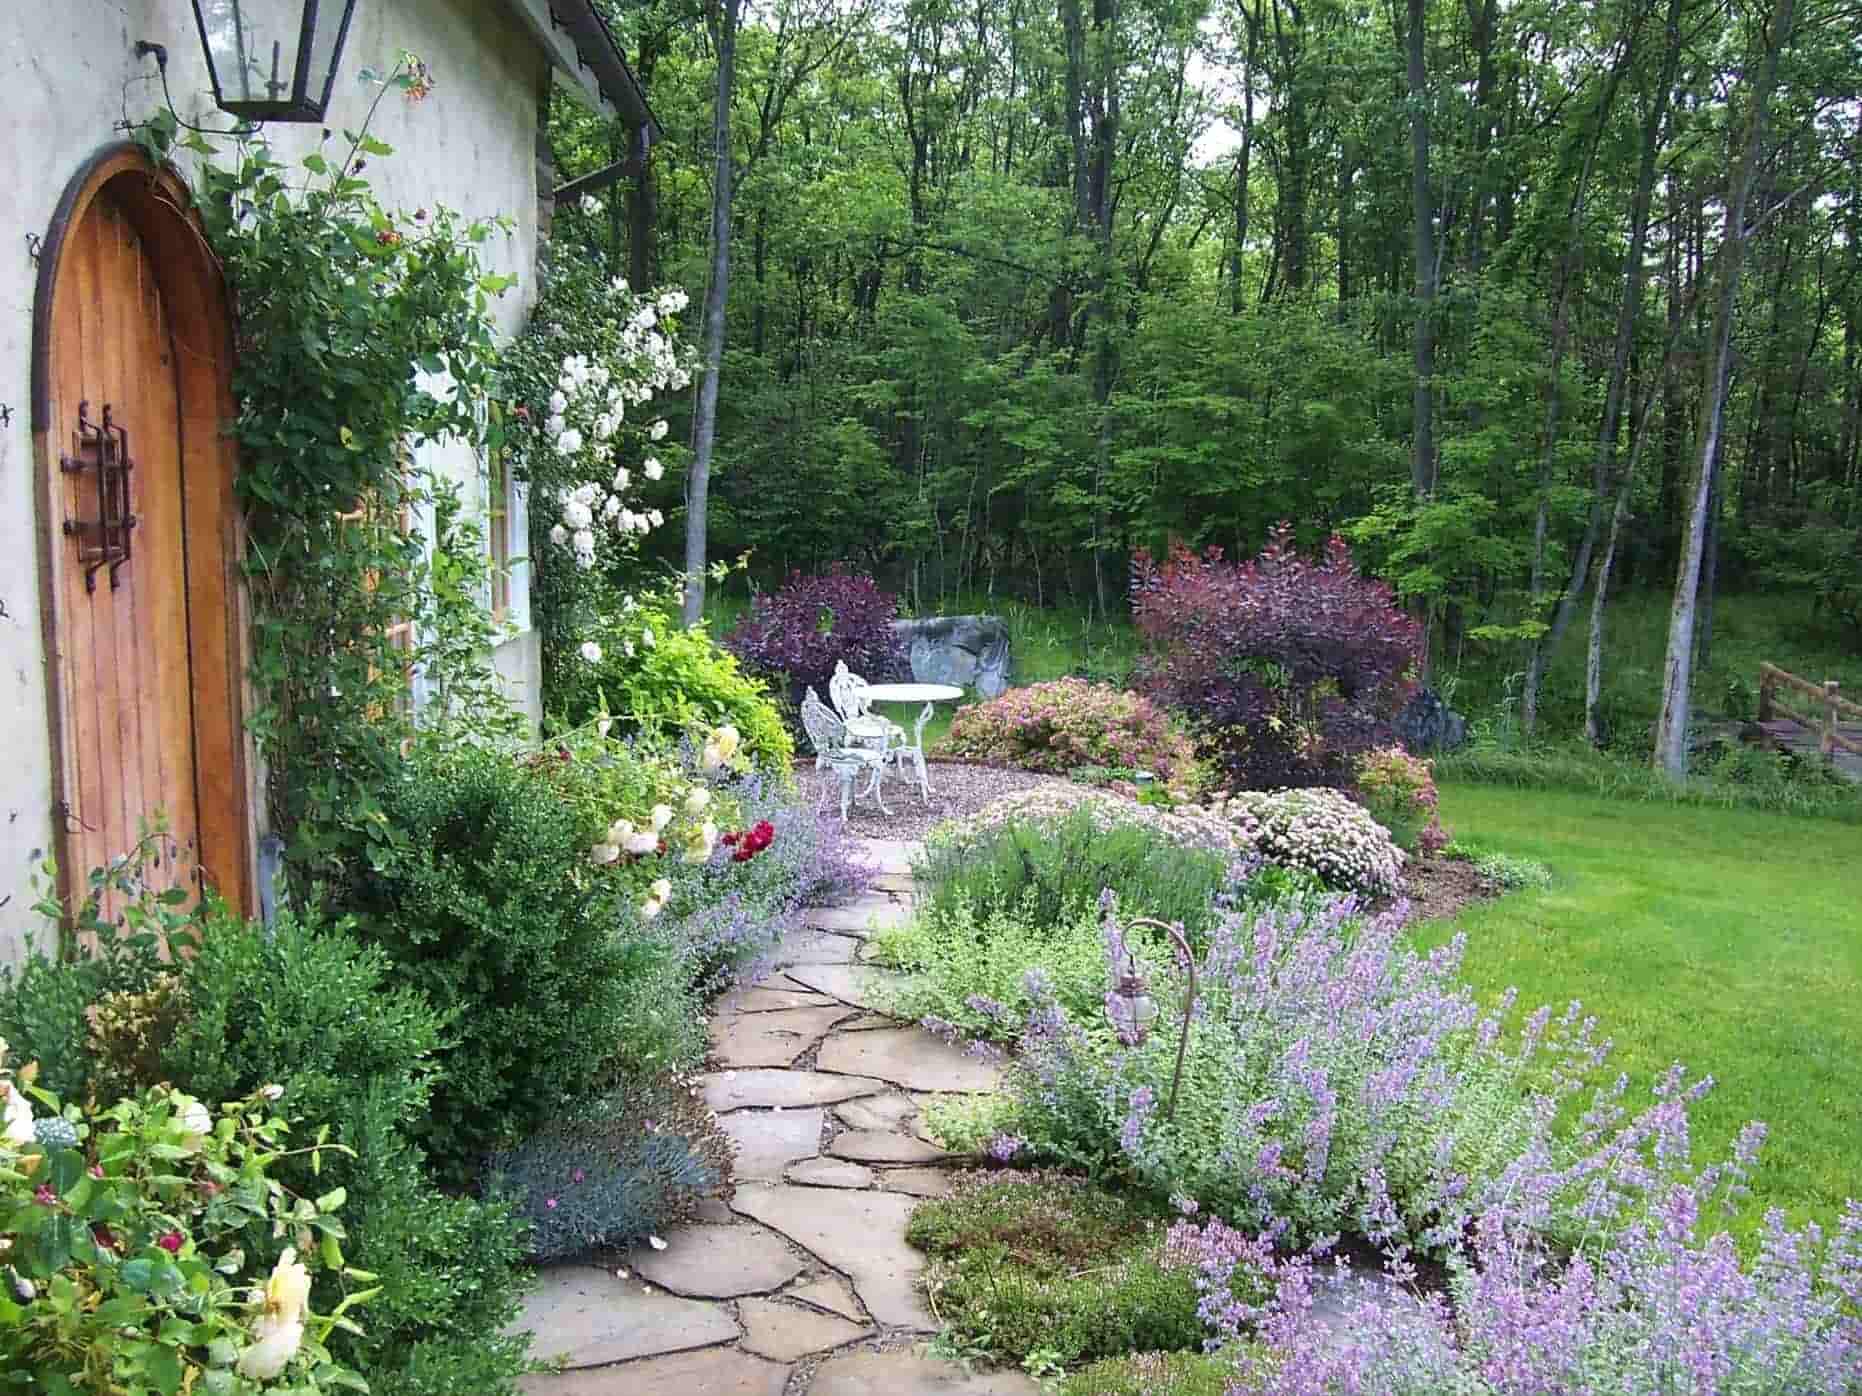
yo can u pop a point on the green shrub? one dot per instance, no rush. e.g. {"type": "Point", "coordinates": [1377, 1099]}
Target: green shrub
{"type": "Point", "coordinates": [1508, 870]}
{"type": "Point", "coordinates": [489, 905]}
{"type": "Point", "coordinates": [357, 1049]}
{"type": "Point", "coordinates": [659, 678]}
{"type": "Point", "coordinates": [634, 1164]}
{"type": "Point", "coordinates": [1153, 1374]}
{"type": "Point", "coordinates": [1048, 1268]}
{"type": "Point", "coordinates": [1069, 723]}
{"type": "Point", "coordinates": [1047, 871]}
{"type": "Point", "coordinates": [123, 1278]}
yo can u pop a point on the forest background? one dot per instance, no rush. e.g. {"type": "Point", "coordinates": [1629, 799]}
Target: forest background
{"type": "Point", "coordinates": [1533, 303]}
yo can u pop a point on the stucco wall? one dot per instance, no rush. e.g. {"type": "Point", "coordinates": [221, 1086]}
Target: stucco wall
{"type": "Point", "coordinates": [68, 76]}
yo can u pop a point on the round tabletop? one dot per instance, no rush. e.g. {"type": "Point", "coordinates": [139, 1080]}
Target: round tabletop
{"type": "Point", "coordinates": [912, 692]}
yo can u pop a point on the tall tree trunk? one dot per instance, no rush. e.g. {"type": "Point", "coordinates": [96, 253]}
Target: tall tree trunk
{"type": "Point", "coordinates": [1422, 449]}
{"type": "Point", "coordinates": [1677, 670]}
{"type": "Point", "coordinates": [723, 23]}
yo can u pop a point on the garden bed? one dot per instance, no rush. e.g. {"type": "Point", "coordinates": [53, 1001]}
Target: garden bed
{"type": "Point", "coordinates": [957, 789]}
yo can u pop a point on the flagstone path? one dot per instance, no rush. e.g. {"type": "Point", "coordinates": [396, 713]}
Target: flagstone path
{"type": "Point", "coordinates": [803, 1285]}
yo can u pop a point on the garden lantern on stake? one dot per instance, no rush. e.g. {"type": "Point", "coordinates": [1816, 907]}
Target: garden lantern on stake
{"type": "Point", "coordinates": [1132, 1009]}
{"type": "Point", "coordinates": [273, 60]}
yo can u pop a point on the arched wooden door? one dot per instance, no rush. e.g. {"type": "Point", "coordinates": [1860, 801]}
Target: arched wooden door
{"type": "Point", "coordinates": [139, 530]}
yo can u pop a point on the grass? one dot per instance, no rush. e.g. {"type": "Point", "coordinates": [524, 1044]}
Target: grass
{"type": "Point", "coordinates": [1046, 1272]}
{"type": "Point", "coordinates": [1727, 939]}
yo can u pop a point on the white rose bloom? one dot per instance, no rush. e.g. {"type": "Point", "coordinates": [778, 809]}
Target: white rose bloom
{"type": "Point", "coordinates": [622, 478]}
{"type": "Point", "coordinates": [628, 646]}
{"type": "Point", "coordinates": [662, 816]}
{"type": "Point", "coordinates": [591, 651]}
{"type": "Point", "coordinates": [575, 514]}
{"type": "Point", "coordinates": [618, 284]}
{"type": "Point", "coordinates": [194, 1117]}
{"type": "Point", "coordinates": [569, 442]}
{"type": "Point", "coordinates": [559, 402]}
{"type": "Point", "coordinates": [625, 520]}
{"type": "Point", "coordinates": [643, 842]}
{"type": "Point", "coordinates": [652, 469]}
{"type": "Point", "coordinates": [287, 1292]}
{"type": "Point", "coordinates": [696, 801]}
{"type": "Point", "coordinates": [619, 830]}
{"type": "Point", "coordinates": [590, 204]}
{"type": "Point", "coordinates": [276, 1343]}
{"type": "Point", "coordinates": [650, 908]}
{"type": "Point", "coordinates": [17, 1119]}
{"type": "Point", "coordinates": [659, 429]}
{"type": "Point", "coordinates": [555, 426]}
{"type": "Point", "coordinates": [588, 492]}
{"type": "Point", "coordinates": [699, 845]}
{"type": "Point", "coordinates": [612, 507]}
{"type": "Point", "coordinates": [661, 890]}
{"type": "Point", "coordinates": [559, 535]}
{"type": "Point", "coordinates": [646, 637]}
{"type": "Point", "coordinates": [603, 853]}
{"type": "Point", "coordinates": [655, 518]}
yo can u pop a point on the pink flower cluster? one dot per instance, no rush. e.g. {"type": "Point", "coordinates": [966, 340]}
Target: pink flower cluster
{"type": "Point", "coordinates": [1068, 723]}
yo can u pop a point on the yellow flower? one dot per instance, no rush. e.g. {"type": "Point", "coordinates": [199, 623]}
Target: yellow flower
{"type": "Point", "coordinates": [287, 1292]}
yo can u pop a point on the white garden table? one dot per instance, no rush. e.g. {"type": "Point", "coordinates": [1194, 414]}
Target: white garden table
{"type": "Point", "coordinates": [873, 728]}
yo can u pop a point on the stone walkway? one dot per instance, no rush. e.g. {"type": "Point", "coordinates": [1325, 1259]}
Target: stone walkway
{"type": "Point", "coordinates": [803, 1285]}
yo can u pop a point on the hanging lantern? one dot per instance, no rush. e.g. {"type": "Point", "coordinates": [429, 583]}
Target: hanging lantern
{"type": "Point", "coordinates": [1130, 1006]}
{"type": "Point", "coordinates": [273, 60]}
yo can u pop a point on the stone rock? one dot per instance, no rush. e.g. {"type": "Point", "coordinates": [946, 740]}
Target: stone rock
{"type": "Point", "coordinates": [761, 1089]}
{"type": "Point", "coordinates": [788, 1331]}
{"type": "Point", "coordinates": [866, 1022]}
{"type": "Point", "coordinates": [916, 1182]}
{"type": "Point", "coordinates": [832, 1293]}
{"type": "Point", "coordinates": [770, 1001]}
{"type": "Point", "coordinates": [969, 651]}
{"type": "Point", "coordinates": [717, 1262]}
{"type": "Point", "coordinates": [712, 1372]}
{"type": "Point", "coordinates": [587, 1318]}
{"type": "Point", "coordinates": [830, 1173]}
{"type": "Point", "coordinates": [859, 985]}
{"type": "Point", "coordinates": [907, 1374]}
{"type": "Point", "coordinates": [862, 917]}
{"type": "Point", "coordinates": [1428, 724]}
{"type": "Point", "coordinates": [813, 947]}
{"type": "Point", "coordinates": [861, 1234]}
{"type": "Point", "coordinates": [908, 1057]}
{"type": "Point", "coordinates": [876, 1112]}
{"type": "Point", "coordinates": [770, 1039]}
{"type": "Point", "coordinates": [873, 1146]}
{"type": "Point", "coordinates": [768, 1141]}
{"type": "Point", "coordinates": [890, 855]}
{"type": "Point", "coordinates": [715, 1210]}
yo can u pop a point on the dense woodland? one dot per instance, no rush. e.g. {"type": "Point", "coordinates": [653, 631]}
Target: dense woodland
{"type": "Point", "coordinates": [1513, 296]}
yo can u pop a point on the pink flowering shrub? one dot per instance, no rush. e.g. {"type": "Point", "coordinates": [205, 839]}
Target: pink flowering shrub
{"type": "Point", "coordinates": [1185, 826]}
{"type": "Point", "coordinates": [1320, 831]}
{"type": "Point", "coordinates": [1292, 665]}
{"type": "Point", "coordinates": [1069, 723]}
{"type": "Point", "coordinates": [1399, 791]}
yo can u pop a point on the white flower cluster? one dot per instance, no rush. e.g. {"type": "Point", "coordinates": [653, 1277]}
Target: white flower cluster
{"type": "Point", "coordinates": [587, 410]}
{"type": "Point", "coordinates": [1055, 802]}
{"type": "Point", "coordinates": [1321, 830]}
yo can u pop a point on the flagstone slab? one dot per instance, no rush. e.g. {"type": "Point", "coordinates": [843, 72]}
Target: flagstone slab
{"type": "Point", "coordinates": [815, 947]}
{"type": "Point", "coordinates": [773, 1000]}
{"type": "Point", "coordinates": [830, 1173]}
{"type": "Point", "coordinates": [918, 1182]}
{"type": "Point", "coordinates": [879, 1112]}
{"type": "Point", "coordinates": [588, 1317]}
{"type": "Point", "coordinates": [866, 1022]}
{"type": "Point", "coordinates": [895, 880]}
{"type": "Point", "coordinates": [909, 1057]}
{"type": "Point", "coordinates": [907, 1374]}
{"type": "Point", "coordinates": [770, 1039]}
{"type": "Point", "coordinates": [882, 1146]}
{"type": "Point", "coordinates": [768, 1141]}
{"type": "Point", "coordinates": [831, 1292]}
{"type": "Point", "coordinates": [890, 855]}
{"type": "Point", "coordinates": [860, 917]}
{"type": "Point", "coordinates": [859, 985]}
{"type": "Point", "coordinates": [861, 1234]}
{"type": "Point", "coordinates": [788, 1331]}
{"type": "Point", "coordinates": [718, 1262]}
{"type": "Point", "coordinates": [710, 1372]}
{"type": "Point", "coordinates": [760, 1089]}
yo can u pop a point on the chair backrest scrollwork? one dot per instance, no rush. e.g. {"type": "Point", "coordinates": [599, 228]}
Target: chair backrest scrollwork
{"type": "Point", "coordinates": [847, 691]}
{"type": "Point", "coordinates": [826, 732]}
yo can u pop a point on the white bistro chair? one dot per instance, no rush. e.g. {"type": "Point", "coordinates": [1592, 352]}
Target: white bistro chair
{"type": "Point", "coordinates": [849, 694]}
{"type": "Point", "coordinates": [843, 752]}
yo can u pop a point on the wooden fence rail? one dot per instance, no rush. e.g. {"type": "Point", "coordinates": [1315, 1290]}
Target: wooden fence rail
{"type": "Point", "coordinates": [1828, 707]}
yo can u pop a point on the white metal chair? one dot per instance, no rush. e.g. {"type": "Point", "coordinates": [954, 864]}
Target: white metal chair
{"type": "Point", "coordinates": [849, 694]}
{"type": "Point", "coordinates": [840, 751]}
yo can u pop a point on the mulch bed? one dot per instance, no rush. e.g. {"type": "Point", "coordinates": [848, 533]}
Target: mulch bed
{"type": "Point", "coordinates": [1438, 888]}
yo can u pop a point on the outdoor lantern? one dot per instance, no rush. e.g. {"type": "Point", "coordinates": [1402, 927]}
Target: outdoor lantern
{"type": "Point", "coordinates": [1130, 1003]}
{"type": "Point", "coordinates": [273, 60]}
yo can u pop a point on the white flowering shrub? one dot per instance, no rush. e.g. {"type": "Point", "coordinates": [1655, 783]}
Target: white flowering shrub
{"type": "Point", "coordinates": [583, 430]}
{"type": "Point", "coordinates": [1321, 831]}
{"type": "Point", "coordinates": [1186, 826]}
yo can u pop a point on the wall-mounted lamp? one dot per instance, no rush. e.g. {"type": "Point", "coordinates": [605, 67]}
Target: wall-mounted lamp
{"type": "Point", "coordinates": [273, 60]}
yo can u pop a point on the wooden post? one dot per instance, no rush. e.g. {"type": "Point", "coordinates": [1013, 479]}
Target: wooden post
{"type": "Point", "coordinates": [1830, 698]}
{"type": "Point", "coordinates": [1765, 688]}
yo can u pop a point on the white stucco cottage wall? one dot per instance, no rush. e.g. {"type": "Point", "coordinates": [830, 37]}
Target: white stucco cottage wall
{"type": "Point", "coordinates": [69, 77]}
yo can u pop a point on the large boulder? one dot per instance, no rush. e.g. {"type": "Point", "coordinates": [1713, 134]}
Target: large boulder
{"type": "Point", "coordinates": [969, 651]}
{"type": "Point", "coordinates": [1427, 724]}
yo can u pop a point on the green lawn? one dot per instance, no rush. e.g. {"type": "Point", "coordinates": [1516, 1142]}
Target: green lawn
{"type": "Point", "coordinates": [1730, 940]}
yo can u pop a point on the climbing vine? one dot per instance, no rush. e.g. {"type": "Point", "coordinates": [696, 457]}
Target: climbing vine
{"type": "Point", "coordinates": [362, 334]}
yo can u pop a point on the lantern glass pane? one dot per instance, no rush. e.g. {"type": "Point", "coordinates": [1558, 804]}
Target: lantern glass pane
{"type": "Point", "coordinates": [252, 45]}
